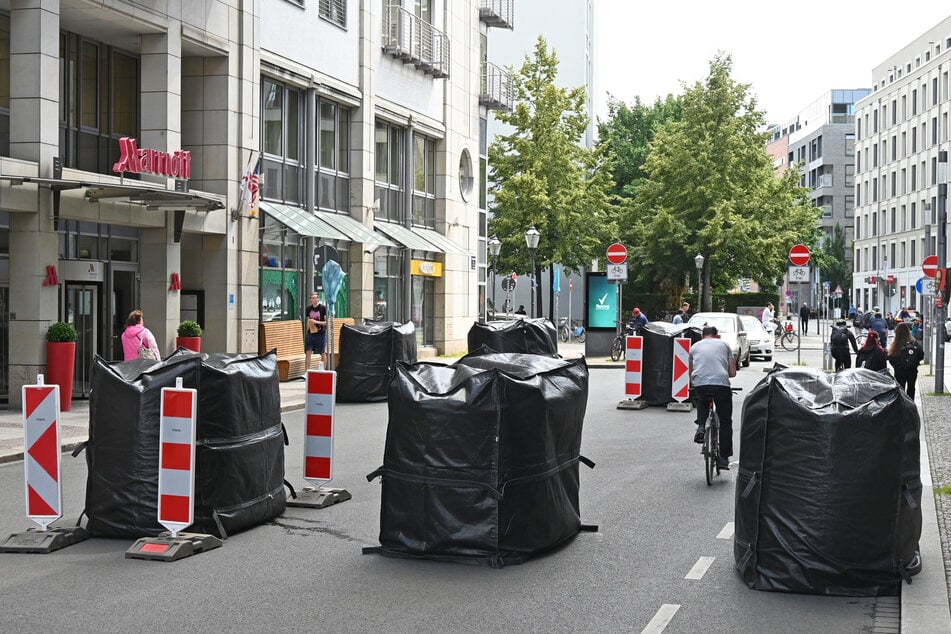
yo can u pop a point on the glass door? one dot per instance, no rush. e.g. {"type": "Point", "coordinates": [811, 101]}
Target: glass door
{"type": "Point", "coordinates": [82, 312]}
{"type": "Point", "coordinates": [123, 301]}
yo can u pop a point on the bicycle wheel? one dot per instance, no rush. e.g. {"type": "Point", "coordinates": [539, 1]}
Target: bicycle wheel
{"type": "Point", "coordinates": [860, 339]}
{"type": "Point", "coordinates": [582, 336]}
{"type": "Point", "coordinates": [617, 348]}
{"type": "Point", "coordinates": [790, 341]}
{"type": "Point", "coordinates": [564, 335]}
{"type": "Point", "coordinates": [709, 449]}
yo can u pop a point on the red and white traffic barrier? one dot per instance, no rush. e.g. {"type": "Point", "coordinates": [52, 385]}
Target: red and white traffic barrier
{"type": "Point", "coordinates": [633, 365]}
{"type": "Point", "coordinates": [176, 482]}
{"type": "Point", "coordinates": [680, 386]}
{"type": "Point", "coordinates": [41, 453]}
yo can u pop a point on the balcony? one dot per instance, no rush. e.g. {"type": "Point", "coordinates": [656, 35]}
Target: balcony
{"type": "Point", "coordinates": [415, 41]}
{"type": "Point", "coordinates": [498, 13]}
{"type": "Point", "coordinates": [498, 89]}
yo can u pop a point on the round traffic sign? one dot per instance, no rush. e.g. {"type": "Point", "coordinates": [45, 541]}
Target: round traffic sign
{"type": "Point", "coordinates": [509, 283]}
{"type": "Point", "coordinates": [799, 255]}
{"type": "Point", "coordinates": [617, 253]}
{"type": "Point", "coordinates": [930, 265]}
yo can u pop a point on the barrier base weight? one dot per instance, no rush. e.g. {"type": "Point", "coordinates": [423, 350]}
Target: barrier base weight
{"type": "Point", "coordinates": [319, 498]}
{"type": "Point", "coordinates": [686, 406]}
{"type": "Point", "coordinates": [168, 548]}
{"type": "Point", "coordinates": [34, 540]}
{"type": "Point", "coordinates": [632, 404]}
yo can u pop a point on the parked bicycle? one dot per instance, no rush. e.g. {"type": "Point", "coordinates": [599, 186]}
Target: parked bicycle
{"type": "Point", "coordinates": [786, 336]}
{"type": "Point", "coordinates": [566, 331]}
{"type": "Point", "coordinates": [620, 340]}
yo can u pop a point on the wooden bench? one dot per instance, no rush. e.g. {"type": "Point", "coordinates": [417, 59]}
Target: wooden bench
{"type": "Point", "coordinates": [287, 337]}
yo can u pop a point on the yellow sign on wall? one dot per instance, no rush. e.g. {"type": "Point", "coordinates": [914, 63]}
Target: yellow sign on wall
{"type": "Point", "coordinates": [426, 267]}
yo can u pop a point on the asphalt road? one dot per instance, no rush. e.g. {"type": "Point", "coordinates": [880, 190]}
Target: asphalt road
{"type": "Point", "coordinates": [657, 518]}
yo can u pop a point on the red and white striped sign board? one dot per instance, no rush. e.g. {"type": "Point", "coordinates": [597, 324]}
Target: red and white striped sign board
{"type": "Point", "coordinates": [633, 360]}
{"type": "Point", "coordinates": [319, 432]}
{"type": "Point", "coordinates": [176, 484]}
{"type": "Point", "coordinates": [41, 453]}
{"type": "Point", "coordinates": [680, 387]}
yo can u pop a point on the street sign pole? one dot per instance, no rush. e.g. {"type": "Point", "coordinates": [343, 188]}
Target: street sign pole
{"type": "Point", "coordinates": [942, 264]}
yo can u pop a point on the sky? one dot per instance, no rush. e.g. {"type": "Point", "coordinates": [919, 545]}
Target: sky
{"type": "Point", "coordinates": [791, 52]}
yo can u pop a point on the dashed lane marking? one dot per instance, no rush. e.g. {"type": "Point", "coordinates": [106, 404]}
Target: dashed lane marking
{"type": "Point", "coordinates": [700, 568]}
{"type": "Point", "coordinates": [727, 532]}
{"type": "Point", "coordinates": [661, 619]}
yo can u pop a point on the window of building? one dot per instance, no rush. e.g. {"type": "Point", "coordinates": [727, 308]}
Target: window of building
{"type": "Point", "coordinates": [858, 227]}
{"type": "Point", "coordinates": [914, 102]}
{"type": "Point", "coordinates": [282, 122]}
{"type": "Point", "coordinates": [904, 107]}
{"type": "Point", "coordinates": [914, 140]}
{"type": "Point", "coordinates": [334, 11]}
{"type": "Point", "coordinates": [914, 216]}
{"type": "Point", "coordinates": [332, 184]}
{"type": "Point", "coordinates": [280, 271]}
{"type": "Point", "coordinates": [424, 181]}
{"type": "Point", "coordinates": [894, 147]}
{"type": "Point", "coordinates": [4, 85]}
{"type": "Point", "coordinates": [934, 130]}
{"type": "Point", "coordinates": [388, 172]}
{"type": "Point", "coordinates": [894, 220]}
{"type": "Point", "coordinates": [875, 155]}
{"type": "Point", "coordinates": [934, 91]}
{"type": "Point", "coordinates": [849, 175]}
{"type": "Point", "coordinates": [849, 144]}
{"type": "Point", "coordinates": [934, 170]}
{"type": "Point", "coordinates": [100, 102]}
{"type": "Point", "coordinates": [894, 112]}
{"type": "Point", "coordinates": [893, 184]}
{"type": "Point", "coordinates": [874, 121]}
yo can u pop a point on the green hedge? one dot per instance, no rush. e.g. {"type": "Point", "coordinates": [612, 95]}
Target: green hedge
{"type": "Point", "coordinates": [656, 305]}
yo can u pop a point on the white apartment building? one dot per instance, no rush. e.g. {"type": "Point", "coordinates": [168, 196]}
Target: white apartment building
{"type": "Point", "coordinates": [900, 128]}
{"type": "Point", "coordinates": [368, 119]}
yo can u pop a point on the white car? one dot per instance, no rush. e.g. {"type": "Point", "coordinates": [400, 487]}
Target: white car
{"type": "Point", "coordinates": [730, 329]}
{"type": "Point", "coordinates": [761, 341]}
{"type": "Point", "coordinates": [947, 328]}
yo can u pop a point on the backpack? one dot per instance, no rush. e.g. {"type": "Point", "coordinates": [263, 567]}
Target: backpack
{"type": "Point", "coordinates": [857, 320]}
{"type": "Point", "coordinates": [907, 358]}
{"type": "Point", "coordinates": [839, 338]}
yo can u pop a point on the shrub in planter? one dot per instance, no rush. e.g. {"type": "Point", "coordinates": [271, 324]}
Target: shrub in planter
{"type": "Point", "coordinates": [189, 336]}
{"type": "Point", "coordinates": [61, 360]}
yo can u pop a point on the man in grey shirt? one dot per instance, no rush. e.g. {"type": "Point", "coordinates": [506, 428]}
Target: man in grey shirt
{"type": "Point", "coordinates": [711, 366]}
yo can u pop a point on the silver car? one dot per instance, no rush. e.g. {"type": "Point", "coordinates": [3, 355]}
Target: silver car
{"type": "Point", "coordinates": [730, 329]}
{"type": "Point", "coordinates": [761, 341]}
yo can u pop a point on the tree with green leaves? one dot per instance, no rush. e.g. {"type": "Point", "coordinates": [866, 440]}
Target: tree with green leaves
{"type": "Point", "coordinates": [833, 261]}
{"type": "Point", "coordinates": [626, 135]}
{"type": "Point", "coordinates": [710, 188]}
{"type": "Point", "coordinates": [540, 175]}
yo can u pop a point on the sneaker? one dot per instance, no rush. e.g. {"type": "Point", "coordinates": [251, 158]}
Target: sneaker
{"type": "Point", "coordinates": [723, 464]}
{"type": "Point", "coordinates": [698, 437]}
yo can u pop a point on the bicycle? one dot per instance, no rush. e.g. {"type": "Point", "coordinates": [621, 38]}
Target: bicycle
{"type": "Point", "coordinates": [565, 332]}
{"type": "Point", "coordinates": [711, 440]}
{"type": "Point", "coordinates": [620, 340]}
{"type": "Point", "coordinates": [786, 336]}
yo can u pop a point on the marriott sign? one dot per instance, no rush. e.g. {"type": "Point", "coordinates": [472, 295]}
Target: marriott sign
{"type": "Point", "coordinates": [177, 164]}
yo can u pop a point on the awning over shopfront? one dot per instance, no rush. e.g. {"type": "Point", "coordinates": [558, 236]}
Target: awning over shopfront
{"type": "Point", "coordinates": [149, 197]}
{"type": "Point", "coordinates": [420, 239]}
{"type": "Point", "coordinates": [301, 221]}
{"type": "Point", "coordinates": [357, 231]}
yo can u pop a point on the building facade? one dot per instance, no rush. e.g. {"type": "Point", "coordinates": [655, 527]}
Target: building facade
{"type": "Point", "coordinates": [900, 128]}
{"type": "Point", "coordinates": [126, 129]}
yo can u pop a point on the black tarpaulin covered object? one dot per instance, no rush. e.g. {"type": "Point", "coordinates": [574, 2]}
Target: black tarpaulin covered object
{"type": "Point", "coordinates": [481, 458]}
{"type": "Point", "coordinates": [368, 354]}
{"type": "Point", "coordinates": [657, 373]}
{"type": "Point", "coordinates": [239, 457]}
{"type": "Point", "coordinates": [828, 493]}
{"type": "Point", "coordinates": [531, 336]}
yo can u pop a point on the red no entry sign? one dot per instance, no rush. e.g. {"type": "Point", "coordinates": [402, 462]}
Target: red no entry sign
{"type": "Point", "coordinates": [799, 255]}
{"type": "Point", "coordinates": [617, 253]}
{"type": "Point", "coordinates": [930, 265]}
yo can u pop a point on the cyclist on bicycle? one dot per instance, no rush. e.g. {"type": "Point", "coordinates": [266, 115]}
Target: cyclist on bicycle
{"type": "Point", "coordinates": [638, 320]}
{"type": "Point", "coordinates": [711, 367]}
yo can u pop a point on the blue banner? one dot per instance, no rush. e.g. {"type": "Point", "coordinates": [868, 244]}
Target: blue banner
{"type": "Point", "coordinates": [556, 284]}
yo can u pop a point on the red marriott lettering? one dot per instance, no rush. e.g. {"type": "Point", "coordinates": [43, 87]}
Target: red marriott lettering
{"type": "Point", "coordinates": [177, 164]}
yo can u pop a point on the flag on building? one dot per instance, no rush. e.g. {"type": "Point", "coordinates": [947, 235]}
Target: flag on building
{"type": "Point", "coordinates": [250, 186]}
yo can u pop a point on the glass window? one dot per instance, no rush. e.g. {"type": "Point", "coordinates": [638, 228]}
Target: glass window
{"type": "Point", "coordinates": [90, 85]}
{"type": "Point", "coordinates": [282, 126]}
{"type": "Point", "coordinates": [334, 11]}
{"type": "Point", "coordinates": [333, 149]}
{"type": "Point", "coordinates": [424, 181]}
{"type": "Point", "coordinates": [327, 140]}
{"type": "Point", "coordinates": [389, 165]}
{"type": "Point", "coordinates": [273, 112]}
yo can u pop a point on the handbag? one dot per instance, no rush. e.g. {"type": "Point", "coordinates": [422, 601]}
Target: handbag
{"type": "Point", "coordinates": [146, 352]}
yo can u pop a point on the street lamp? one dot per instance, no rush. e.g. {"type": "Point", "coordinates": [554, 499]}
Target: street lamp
{"type": "Point", "coordinates": [494, 247]}
{"type": "Point", "coordinates": [531, 241]}
{"type": "Point", "coordinates": [698, 261]}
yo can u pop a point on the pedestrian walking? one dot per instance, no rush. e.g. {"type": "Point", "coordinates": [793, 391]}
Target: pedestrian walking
{"type": "Point", "coordinates": [905, 355]}
{"type": "Point", "coordinates": [839, 341]}
{"type": "Point", "coordinates": [767, 319]}
{"type": "Point", "coordinates": [804, 319]}
{"type": "Point", "coordinates": [138, 342]}
{"type": "Point", "coordinates": [315, 339]}
{"type": "Point", "coordinates": [871, 355]}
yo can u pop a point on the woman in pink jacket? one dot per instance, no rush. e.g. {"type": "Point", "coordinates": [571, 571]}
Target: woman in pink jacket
{"type": "Point", "coordinates": [135, 335]}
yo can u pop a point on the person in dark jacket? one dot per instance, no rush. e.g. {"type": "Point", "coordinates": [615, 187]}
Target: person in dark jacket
{"type": "Point", "coordinates": [804, 319]}
{"type": "Point", "coordinates": [839, 342]}
{"type": "Point", "coordinates": [905, 355]}
{"type": "Point", "coordinates": [871, 355]}
{"type": "Point", "coordinates": [879, 325]}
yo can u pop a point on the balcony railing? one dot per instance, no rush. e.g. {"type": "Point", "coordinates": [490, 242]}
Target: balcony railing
{"type": "Point", "coordinates": [498, 89]}
{"type": "Point", "coordinates": [500, 13]}
{"type": "Point", "coordinates": [415, 41]}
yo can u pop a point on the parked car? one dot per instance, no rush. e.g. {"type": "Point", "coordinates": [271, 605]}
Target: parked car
{"type": "Point", "coordinates": [947, 328]}
{"type": "Point", "coordinates": [761, 341]}
{"type": "Point", "coordinates": [730, 329]}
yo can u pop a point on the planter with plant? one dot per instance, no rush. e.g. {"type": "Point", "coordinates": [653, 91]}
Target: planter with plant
{"type": "Point", "coordinates": [61, 360]}
{"type": "Point", "coordinates": [189, 336]}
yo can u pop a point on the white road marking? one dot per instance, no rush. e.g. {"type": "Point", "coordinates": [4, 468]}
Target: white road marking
{"type": "Point", "coordinates": [661, 619]}
{"type": "Point", "coordinates": [700, 568]}
{"type": "Point", "coordinates": [727, 532]}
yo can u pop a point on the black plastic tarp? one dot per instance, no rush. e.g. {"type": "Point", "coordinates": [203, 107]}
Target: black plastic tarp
{"type": "Point", "coordinates": [657, 368]}
{"type": "Point", "coordinates": [828, 492]}
{"type": "Point", "coordinates": [531, 336]}
{"type": "Point", "coordinates": [481, 458]}
{"type": "Point", "coordinates": [239, 458]}
{"type": "Point", "coordinates": [368, 356]}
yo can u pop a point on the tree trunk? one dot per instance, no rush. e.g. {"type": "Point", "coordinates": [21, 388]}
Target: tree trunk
{"type": "Point", "coordinates": [707, 291]}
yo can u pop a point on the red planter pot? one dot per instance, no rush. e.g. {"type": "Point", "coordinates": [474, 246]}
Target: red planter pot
{"type": "Point", "coordinates": [192, 343]}
{"type": "Point", "coordinates": [60, 361]}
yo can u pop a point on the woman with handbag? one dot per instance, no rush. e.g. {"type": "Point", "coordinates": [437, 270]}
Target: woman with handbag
{"type": "Point", "coordinates": [137, 340]}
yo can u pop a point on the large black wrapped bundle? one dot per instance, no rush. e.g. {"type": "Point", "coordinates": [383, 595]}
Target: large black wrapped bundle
{"type": "Point", "coordinates": [828, 495]}
{"type": "Point", "coordinates": [239, 461]}
{"type": "Point", "coordinates": [530, 336]}
{"type": "Point", "coordinates": [481, 458]}
{"type": "Point", "coordinates": [657, 368]}
{"type": "Point", "coordinates": [368, 356]}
